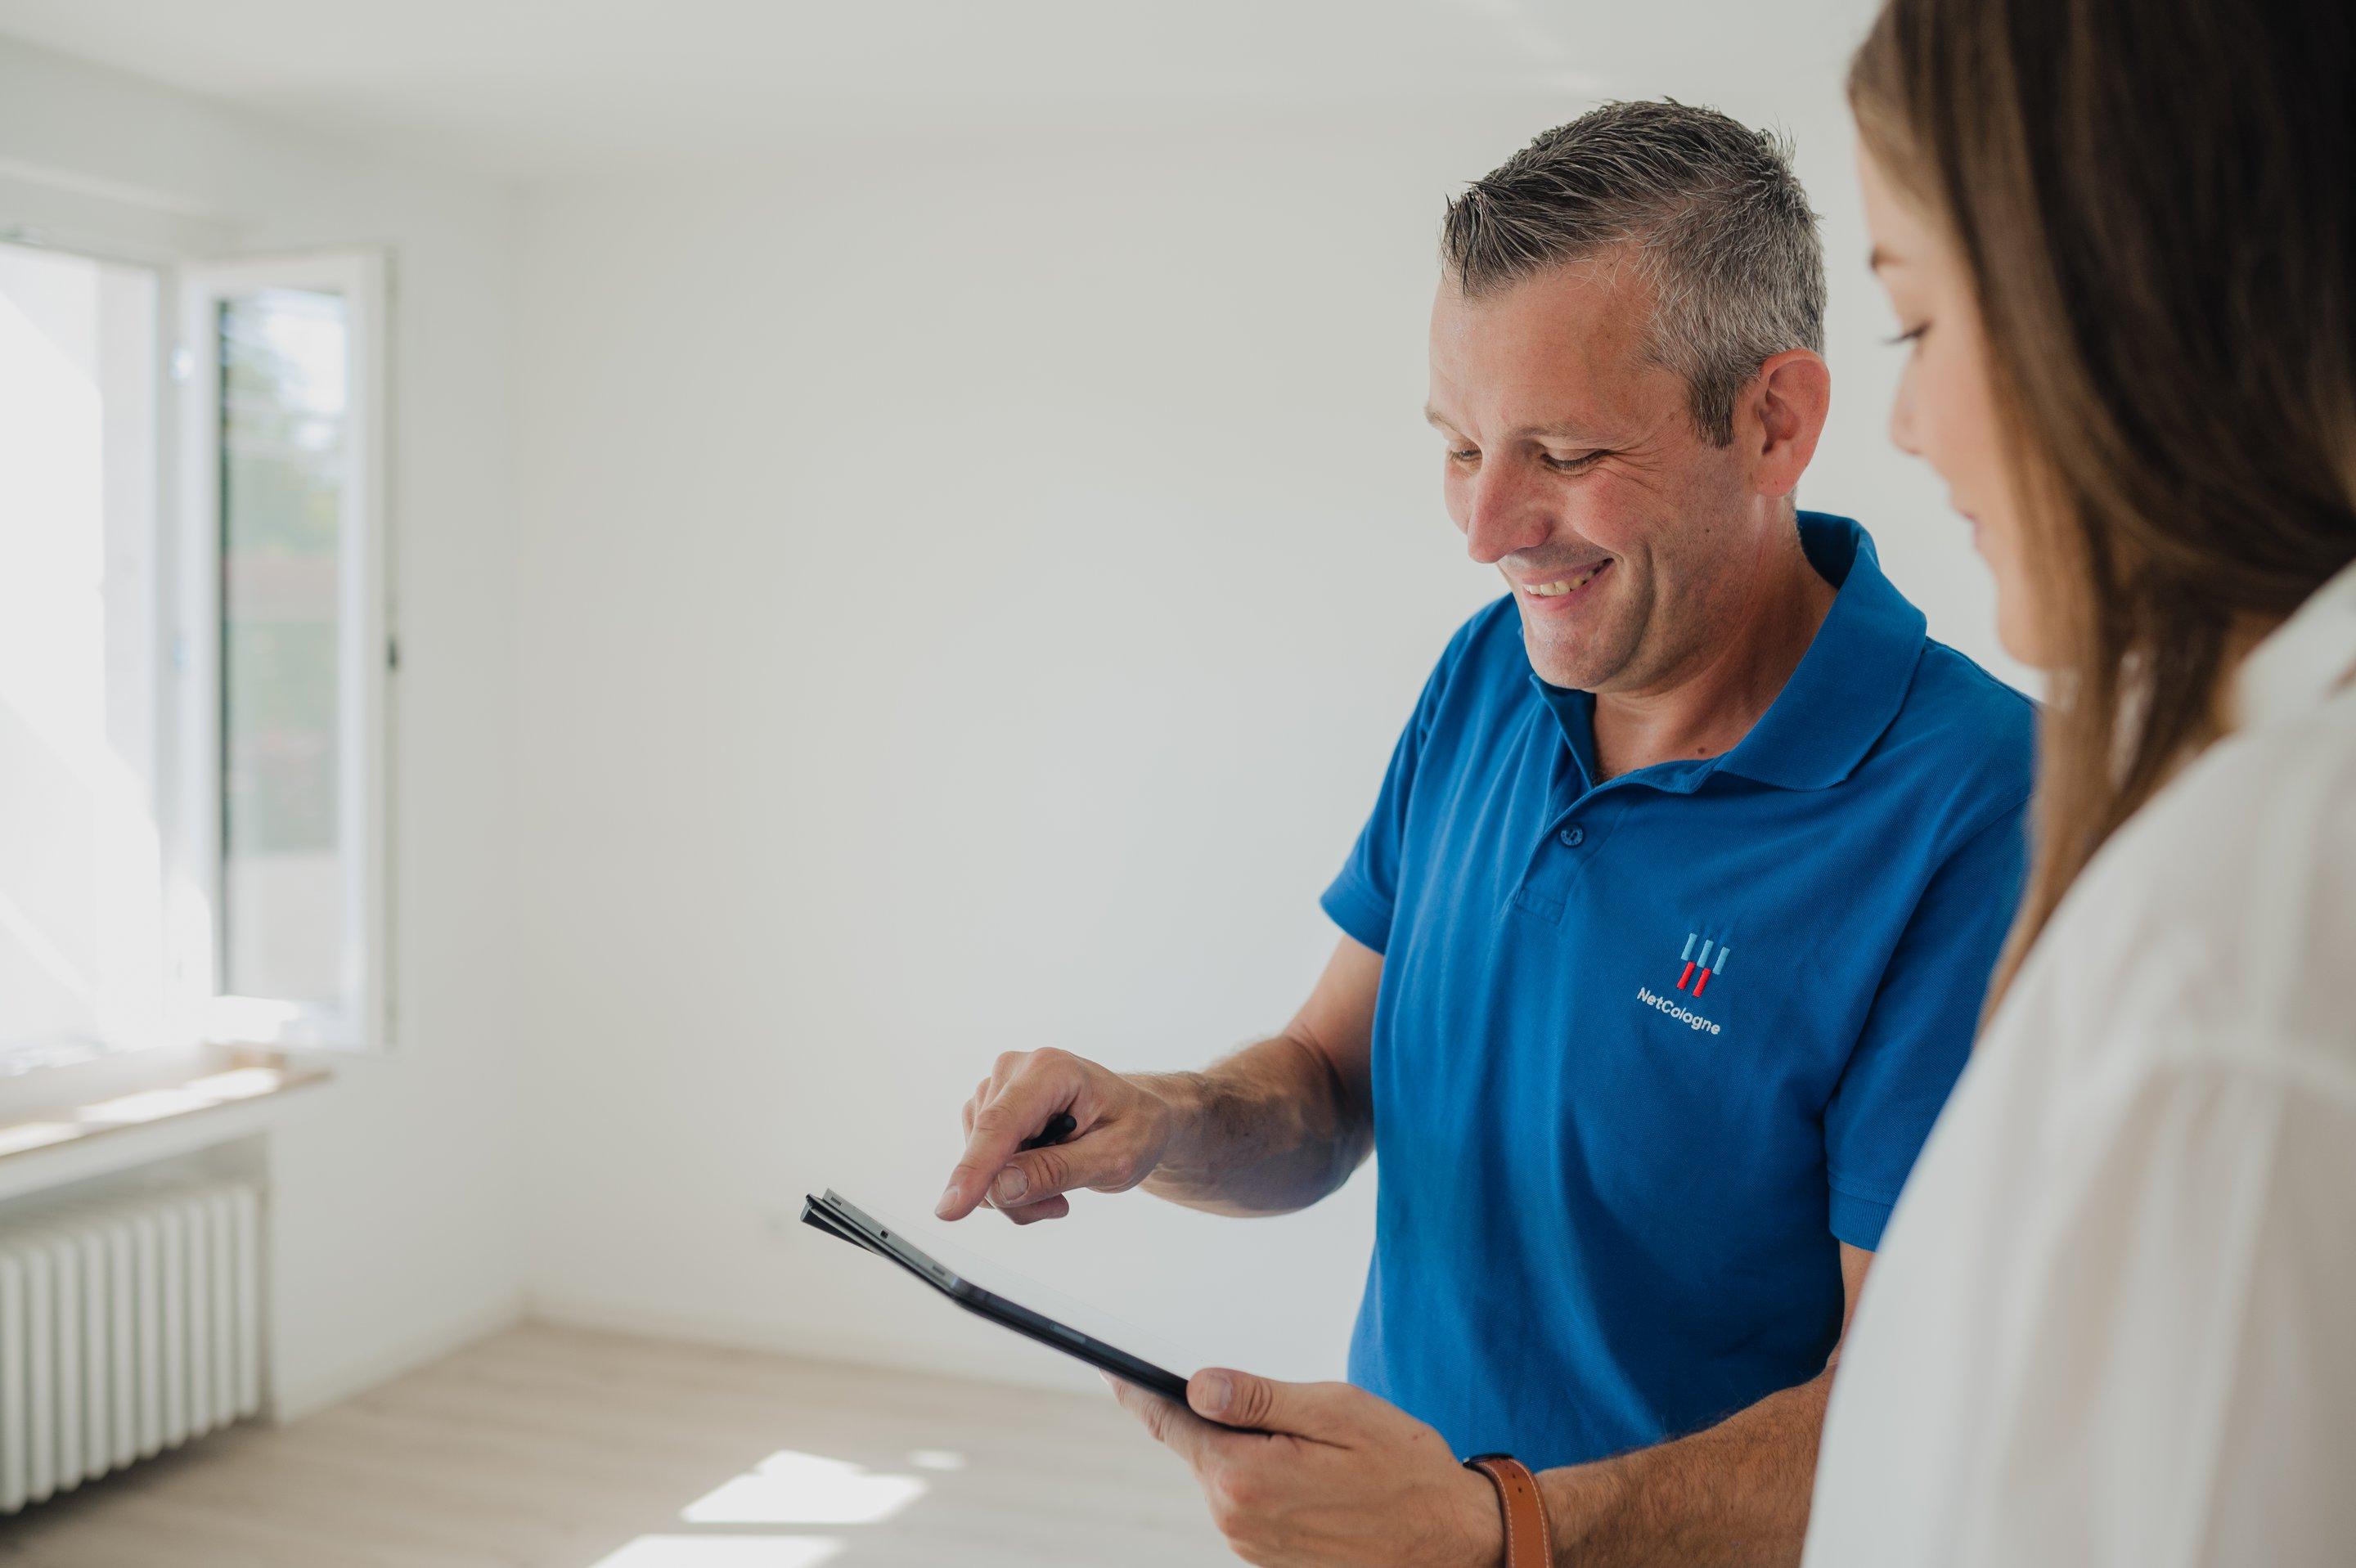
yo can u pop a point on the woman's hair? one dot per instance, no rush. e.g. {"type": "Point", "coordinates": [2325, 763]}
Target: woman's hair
{"type": "Point", "coordinates": [2156, 201]}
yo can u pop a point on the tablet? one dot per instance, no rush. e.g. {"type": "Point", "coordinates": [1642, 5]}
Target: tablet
{"type": "Point", "coordinates": [839, 1218]}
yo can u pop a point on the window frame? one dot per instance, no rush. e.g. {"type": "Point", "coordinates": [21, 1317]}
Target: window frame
{"type": "Point", "coordinates": [204, 1011]}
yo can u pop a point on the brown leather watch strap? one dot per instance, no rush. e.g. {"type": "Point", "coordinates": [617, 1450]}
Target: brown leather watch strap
{"type": "Point", "coordinates": [1530, 1540]}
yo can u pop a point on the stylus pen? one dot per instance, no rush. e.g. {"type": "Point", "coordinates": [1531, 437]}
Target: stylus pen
{"type": "Point", "coordinates": [1060, 1125]}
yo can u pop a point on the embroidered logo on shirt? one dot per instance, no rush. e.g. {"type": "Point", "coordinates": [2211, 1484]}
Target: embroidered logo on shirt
{"type": "Point", "coordinates": [1702, 960]}
{"type": "Point", "coordinates": [1700, 967]}
{"type": "Point", "coordinates": [1686, 1015]}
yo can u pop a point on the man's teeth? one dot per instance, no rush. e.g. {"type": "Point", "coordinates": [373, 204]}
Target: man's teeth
{"type": "Point", "coordinates": [1557, 590]}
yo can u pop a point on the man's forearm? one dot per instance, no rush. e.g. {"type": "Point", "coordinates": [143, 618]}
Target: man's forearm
{"type": "Point", "coordinates": [1271, 1129]}
{"type": "Point", "coordinates": [1735, 1496]}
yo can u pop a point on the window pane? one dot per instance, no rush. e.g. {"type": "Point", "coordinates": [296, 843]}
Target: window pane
{"type": "Point", "coordinates": [80, 912]}
{"type": "Point", "coordinates": [285, 470]}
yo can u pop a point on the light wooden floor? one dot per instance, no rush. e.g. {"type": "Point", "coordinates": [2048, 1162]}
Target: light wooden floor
{"type": "Point", "coordinates": [551, 1448]}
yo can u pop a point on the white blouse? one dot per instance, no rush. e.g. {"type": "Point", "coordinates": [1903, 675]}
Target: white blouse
{"type": "Point", "coordinates": [2112, 1321]}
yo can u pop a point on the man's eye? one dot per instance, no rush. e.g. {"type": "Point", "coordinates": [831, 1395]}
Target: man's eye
{"type": "Point", "coordinates": [1573, 465]}
{"type": "Point", "coordinates": [1463, 454]}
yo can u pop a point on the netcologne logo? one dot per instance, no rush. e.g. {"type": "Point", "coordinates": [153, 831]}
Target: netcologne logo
{"type": "Point", "coordinates": [1691, 1020]}
{"type": "Point", "coordinates": [1705, 963]}
{"type": "Point", "coordinates": [1699, 966]}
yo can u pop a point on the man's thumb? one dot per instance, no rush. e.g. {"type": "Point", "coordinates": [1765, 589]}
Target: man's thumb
{"type": "Point", "coordinates": [1239, 1398]}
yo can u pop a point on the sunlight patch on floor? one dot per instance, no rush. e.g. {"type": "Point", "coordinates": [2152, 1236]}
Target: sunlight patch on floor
{"type": "Point", "coordinates": [790, 1488]}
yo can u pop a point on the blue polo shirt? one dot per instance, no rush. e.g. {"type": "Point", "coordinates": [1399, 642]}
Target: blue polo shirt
{"type": "Point", "coordinates": [1646, 1049]}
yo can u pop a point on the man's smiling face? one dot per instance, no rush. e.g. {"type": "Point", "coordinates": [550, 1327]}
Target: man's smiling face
{"type": "Point", "coordinates": [1573, 466]}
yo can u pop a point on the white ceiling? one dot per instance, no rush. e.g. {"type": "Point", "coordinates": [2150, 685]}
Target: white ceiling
{"type": "Point", "coordinates": [526, 88]}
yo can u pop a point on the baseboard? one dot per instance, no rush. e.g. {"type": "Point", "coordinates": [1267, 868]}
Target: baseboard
{"type": "Point", "coordinates": [293, 1402]}
{"type": "Point", "coordinates": [875, 1353]}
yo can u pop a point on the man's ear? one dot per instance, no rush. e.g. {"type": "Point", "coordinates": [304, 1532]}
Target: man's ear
{"type": "Point", "coordinates": [1782, 417]}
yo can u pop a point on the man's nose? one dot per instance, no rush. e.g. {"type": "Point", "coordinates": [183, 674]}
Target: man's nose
{"type": "Point", "coordinates": [1504, 514]}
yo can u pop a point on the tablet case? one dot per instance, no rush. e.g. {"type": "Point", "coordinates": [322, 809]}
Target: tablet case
{"type": "Point", "coordinates": [845, 1221]}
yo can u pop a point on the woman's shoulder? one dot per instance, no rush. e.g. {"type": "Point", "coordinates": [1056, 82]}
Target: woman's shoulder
{"type": "Point", "coordinates": [2259, 827]}
{"type": "Point", "coordinates": [2225, 909]}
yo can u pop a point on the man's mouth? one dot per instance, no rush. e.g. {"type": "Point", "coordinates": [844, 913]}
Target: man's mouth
{"type": "Point", "coordinates": [1563, 587]}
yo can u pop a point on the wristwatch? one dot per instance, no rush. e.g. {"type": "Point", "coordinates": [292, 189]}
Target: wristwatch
{"type": "Point", "coordinates": [1530, 1540]}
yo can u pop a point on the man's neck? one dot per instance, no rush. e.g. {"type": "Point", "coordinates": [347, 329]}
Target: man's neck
{"type": "Point", "coordinates": [1706, 708]}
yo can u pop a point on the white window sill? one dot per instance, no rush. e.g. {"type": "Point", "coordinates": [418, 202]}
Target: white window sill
{"type": "Point", "coordinates": [62, 1124]}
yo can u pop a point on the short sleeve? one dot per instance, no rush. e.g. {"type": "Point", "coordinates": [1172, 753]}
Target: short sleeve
{"type": "Point", "coordinates": [1919, 1031]}
{"type": "Point", "coordinates": [1361, 898]}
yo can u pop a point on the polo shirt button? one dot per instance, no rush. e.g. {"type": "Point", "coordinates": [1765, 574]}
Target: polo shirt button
{"type": "Point", "coordinates": [1573, 837]}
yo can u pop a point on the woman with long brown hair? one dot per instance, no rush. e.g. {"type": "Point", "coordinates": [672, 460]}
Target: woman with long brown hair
{"type": "Point", "coordinates": [2113, 1319]}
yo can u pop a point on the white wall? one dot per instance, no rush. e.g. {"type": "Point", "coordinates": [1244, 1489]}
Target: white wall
{"type": "Point", "coordinates": [395, 1189]}
{"type": "Point", "coordinates": [968, 595]}
{"type": "Point", "coordinates": [963, 596]}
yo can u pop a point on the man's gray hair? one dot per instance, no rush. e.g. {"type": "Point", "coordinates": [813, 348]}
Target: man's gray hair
{"type": "Point", "coordinates": [1708, 208]}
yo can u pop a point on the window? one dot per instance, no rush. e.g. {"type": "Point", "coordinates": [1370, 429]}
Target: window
{"type": "Point", "coordinates": [80, 868]}
{"type": "Point", "coordinates": [193, 653]}
{"type": "Point", "coordinates": [285, 651]}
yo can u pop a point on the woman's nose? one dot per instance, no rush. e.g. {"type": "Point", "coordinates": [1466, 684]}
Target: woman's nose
{"type": "Point", "coordinates": [1902, 417]}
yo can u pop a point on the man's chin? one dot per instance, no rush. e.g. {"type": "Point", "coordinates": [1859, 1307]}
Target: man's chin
{"type": "Point", "coordinates": [1582, 651]}
{"type": "Point", "coordinates": [1573, 670]}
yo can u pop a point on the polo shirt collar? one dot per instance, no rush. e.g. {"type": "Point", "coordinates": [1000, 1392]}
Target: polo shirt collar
{"type": "Point", "coordinates": [1853, 679]}
{"type": "Point", "coordinates": [1848, 687]}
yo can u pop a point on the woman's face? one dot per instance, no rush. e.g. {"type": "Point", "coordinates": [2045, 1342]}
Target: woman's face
{"type": "Point", "coordinates": [1945, 411]}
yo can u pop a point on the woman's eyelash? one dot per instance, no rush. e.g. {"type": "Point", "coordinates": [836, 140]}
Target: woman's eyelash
{"type": "Point", "coordinates": [1909, 336]}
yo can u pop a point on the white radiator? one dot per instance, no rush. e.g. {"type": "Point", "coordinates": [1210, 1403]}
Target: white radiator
{"type": "Point", "coordinates": [126, 1327]}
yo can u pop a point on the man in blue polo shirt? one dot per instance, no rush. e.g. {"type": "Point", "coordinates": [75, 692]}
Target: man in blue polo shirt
{"type": "Point", "coordinates": [1663, 945]}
